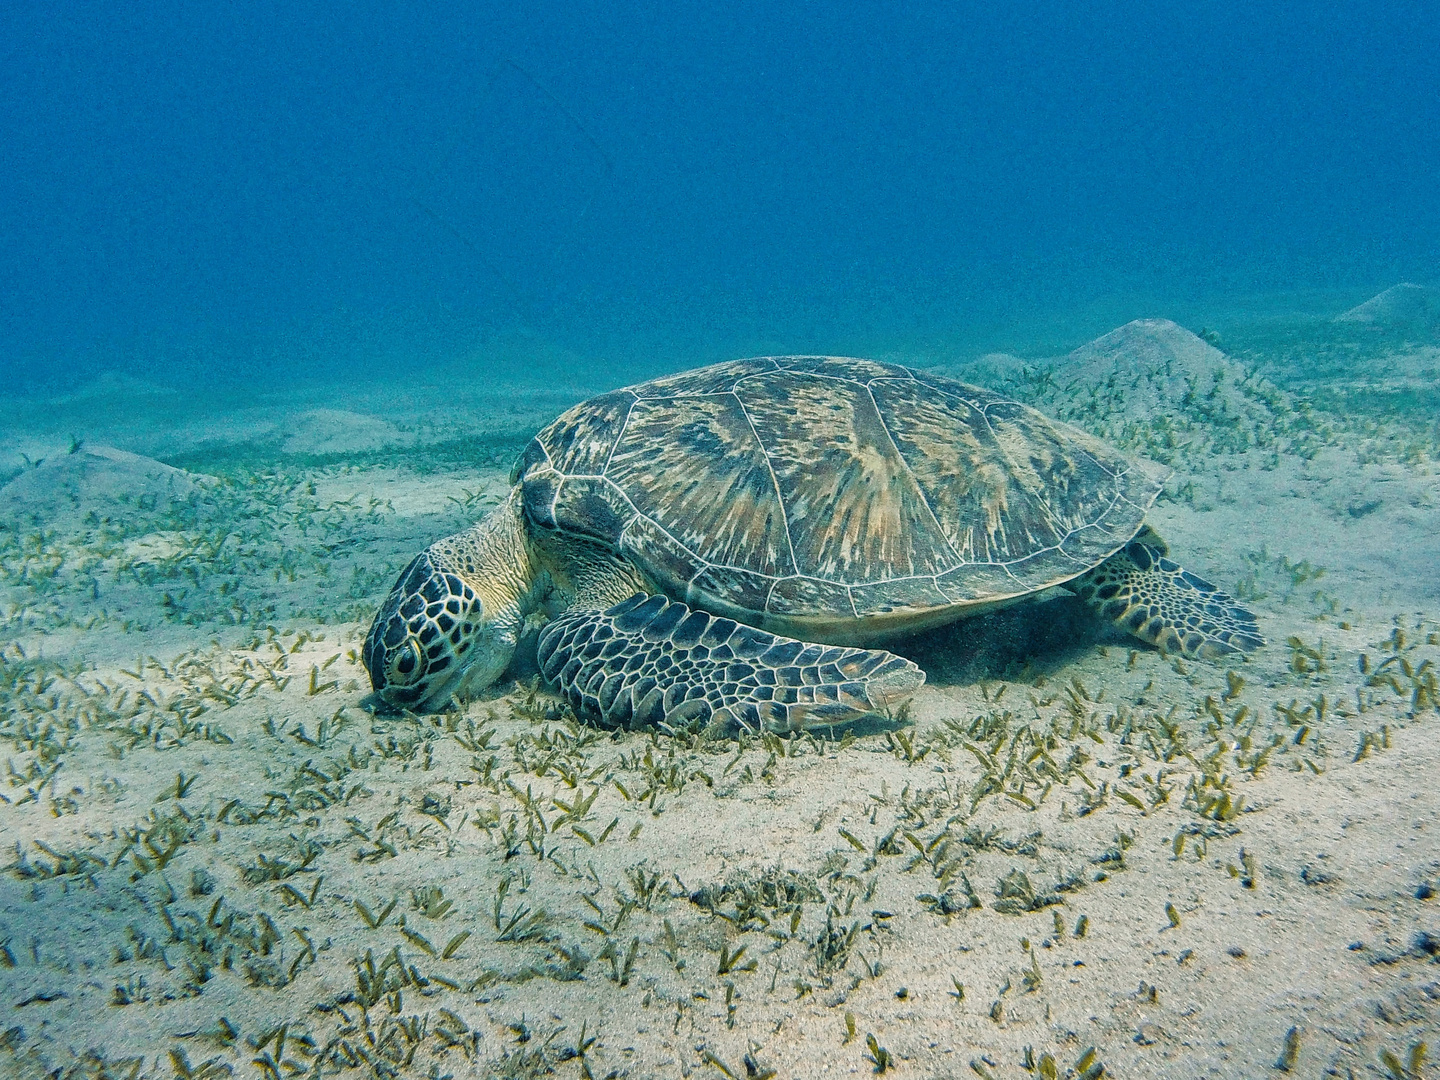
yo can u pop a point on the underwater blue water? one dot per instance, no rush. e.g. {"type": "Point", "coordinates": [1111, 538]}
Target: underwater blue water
{"type": "Point", "coordinates": [214, 193]}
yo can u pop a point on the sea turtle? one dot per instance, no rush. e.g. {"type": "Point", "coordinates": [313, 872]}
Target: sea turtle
{"type": "Point", "coordinates": [718, 547]}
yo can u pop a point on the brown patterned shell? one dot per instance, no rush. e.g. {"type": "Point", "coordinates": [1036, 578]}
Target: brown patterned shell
{"type": "Point", "coordinates": [814, 490]}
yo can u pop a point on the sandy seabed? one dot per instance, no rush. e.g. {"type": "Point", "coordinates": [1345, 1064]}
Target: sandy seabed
{"type": "Point", "coordinates": [1074, 856]}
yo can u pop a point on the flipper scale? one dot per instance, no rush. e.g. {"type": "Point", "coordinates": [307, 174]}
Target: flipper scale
{"type": "Point", "coordinates": [650, 671]}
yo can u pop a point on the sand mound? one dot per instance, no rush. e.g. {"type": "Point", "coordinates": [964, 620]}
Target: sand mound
{"type": "Point", "coordinates": [1401, 307]}
{"type": "Point", "coordinates": [1156, 362]}
{"type": "Point", "coordinates": [339, 431]}
{"type": "Point", "coordinates": [1150, 386]}
{"type": "Point", "coordinates": [1155, 366]}
{"type": "Point", "coordinates": [98, 478]}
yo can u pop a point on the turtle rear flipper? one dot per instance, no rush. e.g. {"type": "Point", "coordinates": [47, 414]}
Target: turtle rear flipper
{"type": "Point", "coordinates": [649, 660]}
{"type": "Point", "coordinates": [1149, 596]}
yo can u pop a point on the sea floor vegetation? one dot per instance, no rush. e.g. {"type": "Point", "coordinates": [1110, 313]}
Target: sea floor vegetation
{"type": "Point", "coordinates": [1070, 857]}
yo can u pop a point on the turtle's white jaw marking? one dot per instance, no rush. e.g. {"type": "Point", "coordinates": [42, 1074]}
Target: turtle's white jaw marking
{"type": "Point", "coordinates": [451, 621]}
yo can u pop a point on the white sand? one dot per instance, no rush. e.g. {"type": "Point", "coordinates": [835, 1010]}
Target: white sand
{"type": "Point", "coordinates": [1237, 870]}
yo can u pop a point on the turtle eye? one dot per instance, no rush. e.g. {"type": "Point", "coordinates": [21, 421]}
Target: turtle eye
{"type": "Point", "coordinates": [403, 667]}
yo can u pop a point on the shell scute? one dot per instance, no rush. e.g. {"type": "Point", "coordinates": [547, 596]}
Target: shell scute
{"type": "Point", "coordinates": [660, 553]}
{"type": "Point", "coordinates": [729, 587]}
{"type": "Point", "coordinates": [592, 506]}
{"type": "Point", "coordinates": [833, 490]}
{"type": "Point", "coordinates": [910, 594]}
{"type": "Point", "coordinates": [810, 596]}
{"type": "Point", "coordinates": [846, 368]}
{"type": "Point", "coordinates": [854, 508]}
{"type": "Point", "coordinates": [579, 441]}
{"type": "Point", "coordinates": [694, 467]}
{"type": "Point", "coordinates": [715, 379]}
{"type": "Point", "coordinates": [538, 491]}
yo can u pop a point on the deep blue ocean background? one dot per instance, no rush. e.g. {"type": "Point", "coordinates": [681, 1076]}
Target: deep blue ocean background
{"type": "Point", "coordinates": [213, 195]}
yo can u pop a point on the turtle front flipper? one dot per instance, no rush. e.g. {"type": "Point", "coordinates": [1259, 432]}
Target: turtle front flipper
{"type": "Point", "coordinates": [649, 660]}
{"type": "Point", "coordinates": [1147, 595]}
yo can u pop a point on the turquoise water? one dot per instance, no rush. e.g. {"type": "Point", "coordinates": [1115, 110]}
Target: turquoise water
{"type": "Point", "coordinates": [219, 197]}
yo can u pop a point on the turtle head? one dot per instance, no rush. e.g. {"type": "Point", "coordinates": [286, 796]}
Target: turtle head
{"type": "Point", "coordinates": [448, 626]}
